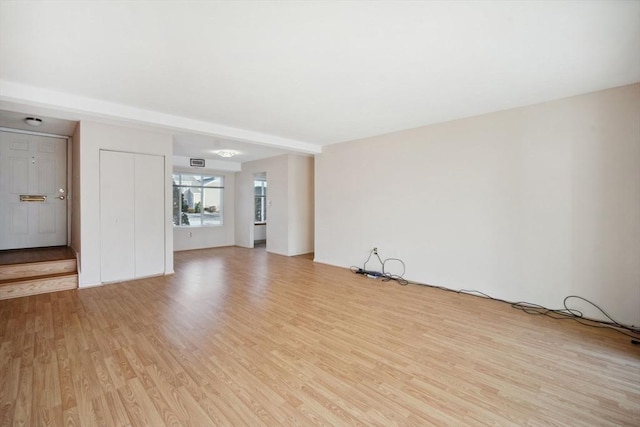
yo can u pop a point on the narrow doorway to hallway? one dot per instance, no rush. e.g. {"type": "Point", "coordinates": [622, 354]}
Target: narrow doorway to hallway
{"type": "Point", "coordinates": [260, 211]}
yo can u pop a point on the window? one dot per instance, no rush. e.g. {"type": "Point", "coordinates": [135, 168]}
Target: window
{"type": "Point", "coordinates": [260, 187]}
{"type": "Point", "coordinates": [197, 200]}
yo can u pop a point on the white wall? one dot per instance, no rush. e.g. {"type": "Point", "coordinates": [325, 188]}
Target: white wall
{"type": "Point", "coordinates": [186, 238]}
{"type": "Point", "coordinates": [91, 139]}
{"type": "Point", "coordinates": [300, 204]}
{"type": "Point", "coordinates": [74, 194]}
{"type": "Point", "coordinates": [290, 212]}
{"type": "Point", "coordinates": [529, 204]}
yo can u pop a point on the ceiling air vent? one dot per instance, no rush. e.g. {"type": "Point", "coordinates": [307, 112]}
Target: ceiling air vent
{"type": "Point", "coordinates": [199, 163]}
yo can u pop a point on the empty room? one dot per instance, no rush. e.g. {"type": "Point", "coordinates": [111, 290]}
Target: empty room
{"type": "Point", "coordinates": [298, 213]}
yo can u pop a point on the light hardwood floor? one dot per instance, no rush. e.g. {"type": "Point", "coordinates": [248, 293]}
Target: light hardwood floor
{"type": "Point", "coordinates": [241, 337]}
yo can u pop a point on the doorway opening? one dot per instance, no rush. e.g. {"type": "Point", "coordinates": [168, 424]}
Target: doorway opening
{"type": "Point", "coordinates": [260, 210]}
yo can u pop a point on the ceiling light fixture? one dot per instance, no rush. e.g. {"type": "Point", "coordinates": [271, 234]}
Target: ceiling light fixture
{"type": "Point", "coordinates": [226, 153]}
{"type": "Point", "coordinates": [33, 121]}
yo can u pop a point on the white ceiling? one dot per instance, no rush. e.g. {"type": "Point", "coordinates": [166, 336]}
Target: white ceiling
{"type": "Point", "coordinates": [295, 76]}
{"type": "Point", "coordinates": [203, 146]}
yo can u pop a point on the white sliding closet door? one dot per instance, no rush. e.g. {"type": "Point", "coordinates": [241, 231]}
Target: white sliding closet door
{"type": "Point", "coordinates": [132, 233]}
{"type": "Point", "coordinates": [149, 206]}
{"type": "Point", "coordinates": [117, 216]}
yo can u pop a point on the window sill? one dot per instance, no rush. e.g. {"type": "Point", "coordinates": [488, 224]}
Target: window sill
{"type": "Point", "coordinates": [186, 227]}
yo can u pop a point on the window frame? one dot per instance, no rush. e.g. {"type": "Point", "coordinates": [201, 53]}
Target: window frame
{"type": "Point", "coordinates": [262, 196]}
{"type": "Point", "coordinates": [178, 184]}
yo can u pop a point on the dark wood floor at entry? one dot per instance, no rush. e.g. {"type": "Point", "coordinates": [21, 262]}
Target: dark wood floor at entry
{"type": "Point", "coordinates": [240, 337]}
{"type": "Point", "coordinates": [19, 256]}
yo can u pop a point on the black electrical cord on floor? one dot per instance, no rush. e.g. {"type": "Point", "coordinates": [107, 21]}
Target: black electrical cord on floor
{"type": "Point", "coordinates": [565, 313]}
{"type": "Point", "coordinates": [570, 313]}
{"type": "Point", "coordinates": [384, 275]}
{"type": "Point", "coordinates": [397, 277]}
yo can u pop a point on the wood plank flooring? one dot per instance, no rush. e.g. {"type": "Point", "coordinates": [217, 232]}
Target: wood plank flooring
{"type": "Point", "coordinates": [241, 337]}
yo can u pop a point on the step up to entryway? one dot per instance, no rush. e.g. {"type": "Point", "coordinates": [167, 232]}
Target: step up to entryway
{"type": "Point", "coordinates": [37, 271]}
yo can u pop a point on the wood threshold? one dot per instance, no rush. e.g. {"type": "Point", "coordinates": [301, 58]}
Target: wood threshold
{"type": "Point", "coordinates": [20, 256]}
{"type": "Point", "coordinates": [29, 286]}
{"type": "Point", "coordinates": [243, 337]}
{"type": "Point", "coordinates": [35, 269]}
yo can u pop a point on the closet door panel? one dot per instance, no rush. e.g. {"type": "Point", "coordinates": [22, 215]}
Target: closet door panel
{"type": "Point", "coordinates": [149, 207]}
{"type": "Point", "coordinates": [117, 215]}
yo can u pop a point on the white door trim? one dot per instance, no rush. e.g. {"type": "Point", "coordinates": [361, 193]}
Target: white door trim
{"type": "Point", "coordinates": [29, 132]}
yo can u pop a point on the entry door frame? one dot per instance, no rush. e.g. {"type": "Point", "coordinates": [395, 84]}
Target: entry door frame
{"type": "Point", "coordinates": [69, 165]}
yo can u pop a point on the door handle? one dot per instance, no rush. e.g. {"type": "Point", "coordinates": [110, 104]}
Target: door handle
{"type": "Point", "coordinates": [61, 197]}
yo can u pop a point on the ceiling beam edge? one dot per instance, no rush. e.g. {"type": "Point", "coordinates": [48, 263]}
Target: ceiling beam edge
{"type": "Point", "coordinates": [84, 108]}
